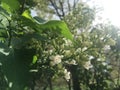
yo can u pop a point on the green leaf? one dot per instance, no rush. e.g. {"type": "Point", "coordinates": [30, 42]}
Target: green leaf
{"type": "Point", "coordinates": [10, 5]}
{"type": "Point", "coordinates": [27, 20]}
{"type": "Point", "coordinates": [4, 49]}
{"type": "Point", "coordinates": [34, 59]}
{"type": "Point", "coordinates": [4, 52]}
{"type": "Point", "coordinates": [57, 26]}
{"type": "Point", "coordinates": [27, 14]}
{"type": "Point", "coordinates": [3, 33]}
{"type": "Point", "coordinates": [3, 11]}
{"type": "Point", "coordinates": [38, 19]}
{"type": "Point", "coordinates": [6, 7]}
{"type": "Point", "coordinates": [54, 25]}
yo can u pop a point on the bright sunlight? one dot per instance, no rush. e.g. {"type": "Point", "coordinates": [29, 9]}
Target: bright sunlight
{"type": "Point", "coordinates": [111, 11]}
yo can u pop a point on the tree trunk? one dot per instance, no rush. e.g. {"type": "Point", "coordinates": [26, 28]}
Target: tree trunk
{"type": "Point", "coordinates": [75, 78]}
{"type": "Point", "coordinates": [69, 84]}
{"type": "Point", "coordinates": [50, 83]}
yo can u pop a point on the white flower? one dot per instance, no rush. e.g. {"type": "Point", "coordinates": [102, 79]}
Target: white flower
{"type": "Point", "coordinates": [107, 48]}
{"type": "Point", "coordinates": [73, 62]}
{"type": "Point", "coordinates": [66, 75]}
{"type": "Point", "coordinates": [55, 59]}
{"type": "Point", "coordinates": [105, 70]}
{"type": "Point", "coordinates": [91, 57]}
{"type": "Point", "coordinates": [49, 51]}
{"type": "Point", "coordinates": [101, 59]}
{"type": "Point", "coordinates": [104, 63]}
{"type": "Point", "coordinates": [0, 64]}
{"type": "Point", "coordinates": [67, 42]}
{"type": "Point", "coordinates": [67, 53]}
{"type": "Point", "coordinates": [88, 65]}
{"type": "Point", "coordinates": [10, 84]}
{"type": "Point", "coordinates": [98, 59]}
{"type": "Point", "coordinates": [65, 71]}
{"type": "Point", "coordinates": [3, 52]}
{"type": "Point", "coordinates": [101, 38]}
{"type": "Point", "coordinates": [78, 50]}
{"type": "Point", "coordinates": [85, 48]}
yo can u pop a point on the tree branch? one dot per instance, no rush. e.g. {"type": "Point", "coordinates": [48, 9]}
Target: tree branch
{"type": "Point", "coordinates": [56, 8]}
{"type": "Point", "coordinates": [68, 3]}
{"type": "Point", "coordinates": [75, 3]}
{"type": "Point", "coordinates": [62, 8]}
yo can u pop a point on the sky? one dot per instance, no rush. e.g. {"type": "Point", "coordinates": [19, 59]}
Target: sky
{"type": "Point", "coordinates": [111, 10]}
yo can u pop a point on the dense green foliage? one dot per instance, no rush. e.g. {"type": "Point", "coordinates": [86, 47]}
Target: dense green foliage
{"type": "Point", "coordinates": [20, 37]}
{"type": "Point", "coordinates": [37, 53]}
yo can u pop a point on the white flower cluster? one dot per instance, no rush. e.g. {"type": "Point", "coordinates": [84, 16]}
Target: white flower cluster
{"type": "Point", "coordinates": [91, 57]}
{"type": "Point", "coordinates": [67, 42]}
{"type": "Point", "coordinates": [67, 53]}
{"type": "Point", "coordinates": [72, 62]}
{"type": "Point", "coordinates": [106, 48]}
{"type": "Point", "coordinates": [83, 49]}
{"type": "Point", "coordinates": [78, 50]}
{"type": "Point", "coordinates": [88, 65]}
{"type": "Point", "coordinates": [67, 74]}
{"type": "Point", "coordinates": [55, 59]}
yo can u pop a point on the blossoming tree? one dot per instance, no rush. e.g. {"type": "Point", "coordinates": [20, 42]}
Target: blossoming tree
{"type": "Point", "coordinates": [36, 52]}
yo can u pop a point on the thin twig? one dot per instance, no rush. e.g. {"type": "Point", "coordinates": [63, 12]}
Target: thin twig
{"type": "Point", "coordinates": [62, 8]}
{"type": "Point", "coordinates": [75, 3]}
{"type": "Point", "coordinates": [10, 33]}
{"type": "Point", "coordinates": [56, 9]}
{"type": "Point", "coordinates": [69, 7]}
{"type": "Point", "coordinates": [22, 6]}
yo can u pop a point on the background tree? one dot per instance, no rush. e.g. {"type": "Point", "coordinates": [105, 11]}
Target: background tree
{"type": "Point", "coordinates": [79, 17]}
